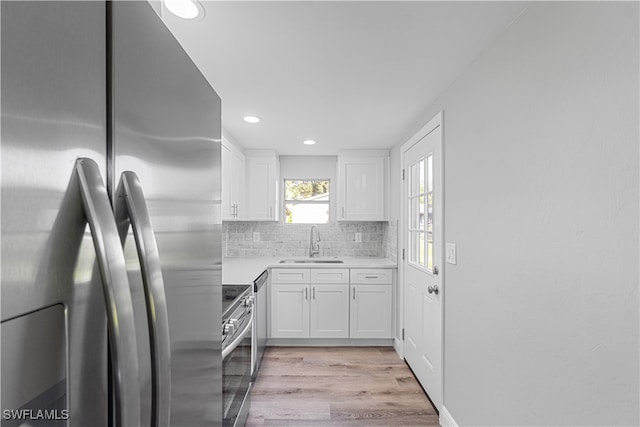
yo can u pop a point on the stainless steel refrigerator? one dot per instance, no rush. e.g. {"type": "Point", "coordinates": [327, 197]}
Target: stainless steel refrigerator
{"type": "Point", "coordinates": [111, 226]}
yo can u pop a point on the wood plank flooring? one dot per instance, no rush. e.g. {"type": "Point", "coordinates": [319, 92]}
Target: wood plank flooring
{"type": "Point", "coordinates": [337, 386]}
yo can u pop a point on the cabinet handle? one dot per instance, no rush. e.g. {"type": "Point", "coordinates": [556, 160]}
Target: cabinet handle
{"type": "Point", "coordinates": [236, 206]}
{"type": "Point", "coordinates": [306, 293]}
{"type": "Point", "coordinates": [343, 212]}
{"type": "Point", "coordinates": [370, 277]}
{"type": "Point", "coordinates": [313, 293]}
{"type": "Point", "coordinates": [354, 293]}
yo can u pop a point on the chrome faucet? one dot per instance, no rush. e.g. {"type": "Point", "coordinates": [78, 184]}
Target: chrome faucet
{"type": "Point", "coordinates": [314, 244]}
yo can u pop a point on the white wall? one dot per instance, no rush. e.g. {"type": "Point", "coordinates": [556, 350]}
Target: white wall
{"type": "Point", "coordinates": [541, 175]}
{"type": "Point", "coordinates": [315, 167]}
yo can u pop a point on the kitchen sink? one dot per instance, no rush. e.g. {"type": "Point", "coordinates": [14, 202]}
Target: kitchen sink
{"type": "Point", "coordinates": [312, 261]}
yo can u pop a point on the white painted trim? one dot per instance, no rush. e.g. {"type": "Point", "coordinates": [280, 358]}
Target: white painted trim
{"type": "Point", "coordinates": [363, 153]}
{"type": "Point", "coordinates": [446, 420]}
{"type": "Point", "coordinates": [434, 123]}
{"type": "Point", "coordinates": [398, 347]}
{"type": "Point", "coordinates": [330, 342]}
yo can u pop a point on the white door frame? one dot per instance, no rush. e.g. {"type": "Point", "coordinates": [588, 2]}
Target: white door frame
{"type": "Point", "coordinates": [436, 121]}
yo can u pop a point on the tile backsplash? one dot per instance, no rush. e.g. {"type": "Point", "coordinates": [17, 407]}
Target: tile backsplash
{"type": "Point", "coordinates": [390, 241]}
{"type": "Point", "coordinates": [336, 239]}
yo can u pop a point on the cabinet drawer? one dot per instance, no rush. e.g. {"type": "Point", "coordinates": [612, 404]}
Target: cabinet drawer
{"type": "Point", "coordinates": [290, 275]}
{"type": "Point", "coordinates": [330, 275]}
{"type": "Point", "coordinates": [380, 276]}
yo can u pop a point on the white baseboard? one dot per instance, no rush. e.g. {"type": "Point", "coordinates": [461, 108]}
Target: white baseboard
{"type": "Point", "coordinates": [398, 347]}
{"type": "Point", "coordinates": [446, 420]}
{"type": "Point", "coordinates": [329, 342]}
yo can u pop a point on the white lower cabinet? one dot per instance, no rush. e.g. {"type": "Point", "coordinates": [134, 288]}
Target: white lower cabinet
{"type": "Point", "coordinates": [321, 303]}
{"type": "Point", "coordinates": [371, 307]}
{"type": "Point", "coordinates": [289, 310]}
{"type": "Point", "coordinates": [329, 311]}
{"type": "Point", "coordinates": [309, 311]}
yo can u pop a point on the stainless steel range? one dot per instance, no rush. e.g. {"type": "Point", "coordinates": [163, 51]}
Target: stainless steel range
{"type": "Point", "coordinates": [237, 323]}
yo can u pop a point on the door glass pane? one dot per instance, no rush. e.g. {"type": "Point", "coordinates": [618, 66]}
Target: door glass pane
{"type": "Point", "coordinates": [413, 180]}
{"type": "Point", "coordinates": [420, 203]}
{"type": "Point", "coordinates": [420, 206]}
{"type": "Point", "coordinates": [421, 209]}
{"type": "Point", "coordinates": [413, 206]}
{"type": "Point", "coordinates": [430, 172]}
{"type": "Point", "coordinates": [430, 251]}
{"type": "Point", "coordinates": [421, 182]}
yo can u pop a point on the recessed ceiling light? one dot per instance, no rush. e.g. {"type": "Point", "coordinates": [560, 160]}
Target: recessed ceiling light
{"type": "Point", "coordinates": [252, 119]}
{"type": "Point", "coordinates": [309, 142]}
{"type": "Point", "coordinates": [186, 9]}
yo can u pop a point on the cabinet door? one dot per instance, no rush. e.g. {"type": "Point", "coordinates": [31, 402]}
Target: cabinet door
{"type": "Point", "coordinates": [289, 311]}
{"type": "Point", "coordinates": [329, 311]}
{"type": "Point", "coordinates": [233, 174]}
{"type": "Point", "coordinates": [237, 184]}
{"type": "Point", "coordinates": [262, 195]}
{"type": "Point", "coordinates": [370, 311]}
{"type": "Point", "coordinates": [362, 191]}
{"type": "Point", "coordinates": [228, 209]}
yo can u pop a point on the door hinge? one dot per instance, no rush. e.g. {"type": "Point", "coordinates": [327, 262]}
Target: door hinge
{"type": "Point", "coordinates": [403, 254]}
{"type": "Point", "coordinates": [402, 334]}
{"type": "Point", "coordinates": [403, 174]}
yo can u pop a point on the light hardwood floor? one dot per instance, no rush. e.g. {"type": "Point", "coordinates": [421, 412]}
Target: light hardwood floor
{"type": "Point", "coordinates": [337, 386]}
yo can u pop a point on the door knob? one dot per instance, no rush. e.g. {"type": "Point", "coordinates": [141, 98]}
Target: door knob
{"type": "Point", "coordinates": [433, 289]}
{"type": "Point", "coordinates": [435, 270]}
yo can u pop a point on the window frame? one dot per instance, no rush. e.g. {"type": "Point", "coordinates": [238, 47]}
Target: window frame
{"type": "Point", "coordinates": [309, 202]}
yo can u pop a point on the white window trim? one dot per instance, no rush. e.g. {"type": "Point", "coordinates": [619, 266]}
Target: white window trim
{"type": "Point", "coordinates": [285, 200]}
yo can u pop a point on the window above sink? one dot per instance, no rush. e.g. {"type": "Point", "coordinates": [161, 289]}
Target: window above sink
{"type": "Point", "coordinates": [306, 201]}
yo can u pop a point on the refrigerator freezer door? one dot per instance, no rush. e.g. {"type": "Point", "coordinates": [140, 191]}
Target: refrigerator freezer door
{"type": "Point", "coordinates": [53, 111]}
{"type": "Point", "coordinates": [167, 129]}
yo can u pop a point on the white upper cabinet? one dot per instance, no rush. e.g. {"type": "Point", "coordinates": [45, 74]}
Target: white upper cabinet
{"type": "Point", "coordinates": [363, 185]}
{"type": "Point", "coordinates": [233, 176]}
{"type": "Point", "coordinates": [262, 172]}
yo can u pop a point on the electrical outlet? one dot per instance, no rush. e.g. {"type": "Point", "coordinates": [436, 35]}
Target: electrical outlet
{"type": "Point", "coordinates": [358, 238]}
{"type": "Point", "coordinates": [256, 236]}
{"type": "Point", "coordinates": [451, 256]}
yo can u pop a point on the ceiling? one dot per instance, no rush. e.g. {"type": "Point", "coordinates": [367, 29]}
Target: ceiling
{"type": "Point", "coordinates": [348, 74]}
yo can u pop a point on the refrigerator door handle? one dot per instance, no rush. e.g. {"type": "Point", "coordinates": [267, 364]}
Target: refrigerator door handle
{"type": "Point", "coordinates": [113, 271]}
{"type": "Point", "coordinates": [131, 208]}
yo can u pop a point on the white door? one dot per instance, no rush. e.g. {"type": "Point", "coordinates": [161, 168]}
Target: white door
{"type": "Point", "coordinates": [423, 258]}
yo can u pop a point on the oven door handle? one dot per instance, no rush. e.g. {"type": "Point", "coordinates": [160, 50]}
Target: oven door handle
{"type": "Point", "coordinates": [236, 342]}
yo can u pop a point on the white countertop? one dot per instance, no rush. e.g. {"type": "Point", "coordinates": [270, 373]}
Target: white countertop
{"type": "Point", "coordinates": [244, 270]}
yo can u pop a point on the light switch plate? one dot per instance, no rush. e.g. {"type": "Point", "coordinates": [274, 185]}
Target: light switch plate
{"type": "Point", "coordinates": [451, 256]}
{"type": "Point", "coordinates": [358, 237]}
{"type": "Point", "coordinates": [256, 236]}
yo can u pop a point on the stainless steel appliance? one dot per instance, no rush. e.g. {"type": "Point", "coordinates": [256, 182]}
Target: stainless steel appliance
{"type": "Point", "coordinates": [260, 320]}
{"type": "Point", "coordinates": [237, 325]}
{"type": "Point", "coordinates": [105, 321]}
